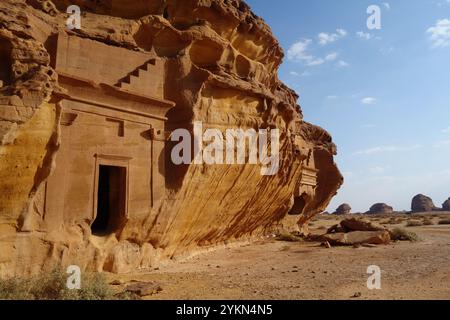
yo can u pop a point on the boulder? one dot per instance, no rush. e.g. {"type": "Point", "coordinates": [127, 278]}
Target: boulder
{"type": "Point", "coordinates": [358, 238]}
{"type": "Point", "coordinates": [446, 205]}
{"type": "Point", "coordinates": [337, 228]}
{"type": "Point", "coordinates": [355, 224]}
{"type": "Point", "coordinates": [422, 203]}
{"type": "Point", "coordinates": [380, 208]}
{"type": "Point", "coordinates": [143, 289]}
{"type": "Point", "coordinates": [343, 209]}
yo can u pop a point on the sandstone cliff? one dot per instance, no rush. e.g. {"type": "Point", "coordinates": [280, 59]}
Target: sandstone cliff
{"type": "Point", "coordinates": [219, 64]}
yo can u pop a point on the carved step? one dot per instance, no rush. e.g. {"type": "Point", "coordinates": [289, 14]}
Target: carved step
{"type": "Point", "coordinates": [139, 80]}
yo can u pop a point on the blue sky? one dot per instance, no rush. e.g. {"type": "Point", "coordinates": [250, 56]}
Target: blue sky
{"type": "Point", "coordinates": [384, 95]}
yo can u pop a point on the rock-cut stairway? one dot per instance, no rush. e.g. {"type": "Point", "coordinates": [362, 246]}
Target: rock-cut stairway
{"type": "Point", "coordinates": [141, 80]}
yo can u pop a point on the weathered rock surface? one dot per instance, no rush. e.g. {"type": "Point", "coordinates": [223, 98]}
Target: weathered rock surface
{"type": "Point", "coordinates": [422, 203]}
{"type": "Point", "coordinates": [343, 209]}
{"type": "Point", "coordinates": [380, 208]}
{"type": "Point", "coordinates": [446, 205]}
{"type": "Point", "coordinates": [355, 224]}
{"type": "Point", "coordinates": [356, 231]}
{"type": "Point", "coordinates": [110, 94]}
{"type": "Point", "coordinates": [144, 289]}
{"type": "Point", "coordinates": [357, 238]}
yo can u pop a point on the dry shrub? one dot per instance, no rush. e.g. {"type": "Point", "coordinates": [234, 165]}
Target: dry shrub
{"type": "Point", "coordinates": [52, 286]}
{"type": "Point", "coordinates": [414, 223]}
{"type": "Point", "coordinates": [393, 221]}
{"type": "Point", "coordinates": [400, 234]}
{"type": "Point", "coordinates": [288, 237]}
{"type": "Point", "coordinates": [444, 222]}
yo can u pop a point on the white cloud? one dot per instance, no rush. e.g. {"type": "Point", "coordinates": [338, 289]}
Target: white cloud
{"type": "Point", "coordinates": [298, 51]}
{"type": "Point", "coordinates": [315, 62]}
{"type": "Point", "coordinates": [368, 100]}
{"type": "Point", "coordinates": [341, 32]}
{"type": "Point", "coordinates": [342, 64]}
{"type": "Point", "coordinates": [368, 126]}
{"type": "Point", "coordinates": [388, 6]}
{"type": "Point", "coordinates": [384, 149]}
{"type": "Point", "coordinates": [303, 74]}
{"type": "Point", "coordinates": [333, 97]}
{"type": "Point", "coordinates": [375, 150]}
{"type": "Point", "coordinates": [364, 35]}
{"type": "Point", "coordinates": [326, 38]}
{"type": "Point", "coordinates": [446, 130]}
{"type": "Point", "coordinates": [332, 56]}
{"type": "Point", "coordinates": [442, 143]}
{"type": "Point", "coordinates": [440, 34]}
{"type": "Point", "coordinates": [441, 4]}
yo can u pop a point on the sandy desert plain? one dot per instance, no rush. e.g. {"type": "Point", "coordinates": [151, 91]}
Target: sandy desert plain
{"type": "Point", "coordinates": [273, 268]}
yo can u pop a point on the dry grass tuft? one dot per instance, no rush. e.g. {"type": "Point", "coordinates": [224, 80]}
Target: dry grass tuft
{"type": "Point", "coordinates": [414, 223]}
{"type": "Point", "coordinates": [288, 237]}
{"type": "Point", "coordinates": [400, 234]}
{"type": "Point", "coordinates": [52, 286]}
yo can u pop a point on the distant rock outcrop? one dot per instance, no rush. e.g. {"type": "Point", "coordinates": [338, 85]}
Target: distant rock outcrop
{"type": "Point", "coordinates": [343, 209]}
{"type": "Point", "coordinates": [380, 208]}
{"type": "Point", "coordinates": [446, 205]}
{"type": "Point", "coordinates": [422, 203]}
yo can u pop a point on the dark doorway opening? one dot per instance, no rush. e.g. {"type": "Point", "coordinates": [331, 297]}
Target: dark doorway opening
{"type": "Point", "coordinates": [111, 200]}
{"type": "Point", "coordinates": [5, 62]}
{"type": "Point", "coordinates": [299, 205]}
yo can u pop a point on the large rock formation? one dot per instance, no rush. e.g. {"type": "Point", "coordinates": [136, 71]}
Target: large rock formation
{"type": "Point", "coordinates": [380, 208]}
{"type": "Point", "coordinates": [343, 209]}
{"type": "Point", "coordinates": [422, 203]}
{"type": "Point", "coordinates": [446, 205]}
{"type": "Point", "coordinates": [86, 122]}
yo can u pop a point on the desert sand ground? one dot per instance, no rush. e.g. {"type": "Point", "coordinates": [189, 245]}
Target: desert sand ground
{"type": "Point", "coordinates": [272, 269]}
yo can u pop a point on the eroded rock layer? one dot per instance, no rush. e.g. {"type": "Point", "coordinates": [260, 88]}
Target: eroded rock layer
{"type": "Point", "coordinates": [89, 112]}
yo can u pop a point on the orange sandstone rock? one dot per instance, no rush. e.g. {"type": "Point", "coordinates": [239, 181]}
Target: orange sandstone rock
{"type": "Point", "coordinates": [86, 117]}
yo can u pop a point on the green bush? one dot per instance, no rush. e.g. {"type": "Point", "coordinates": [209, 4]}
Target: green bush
{"type": "Point", "coordinates": [52, 286]}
